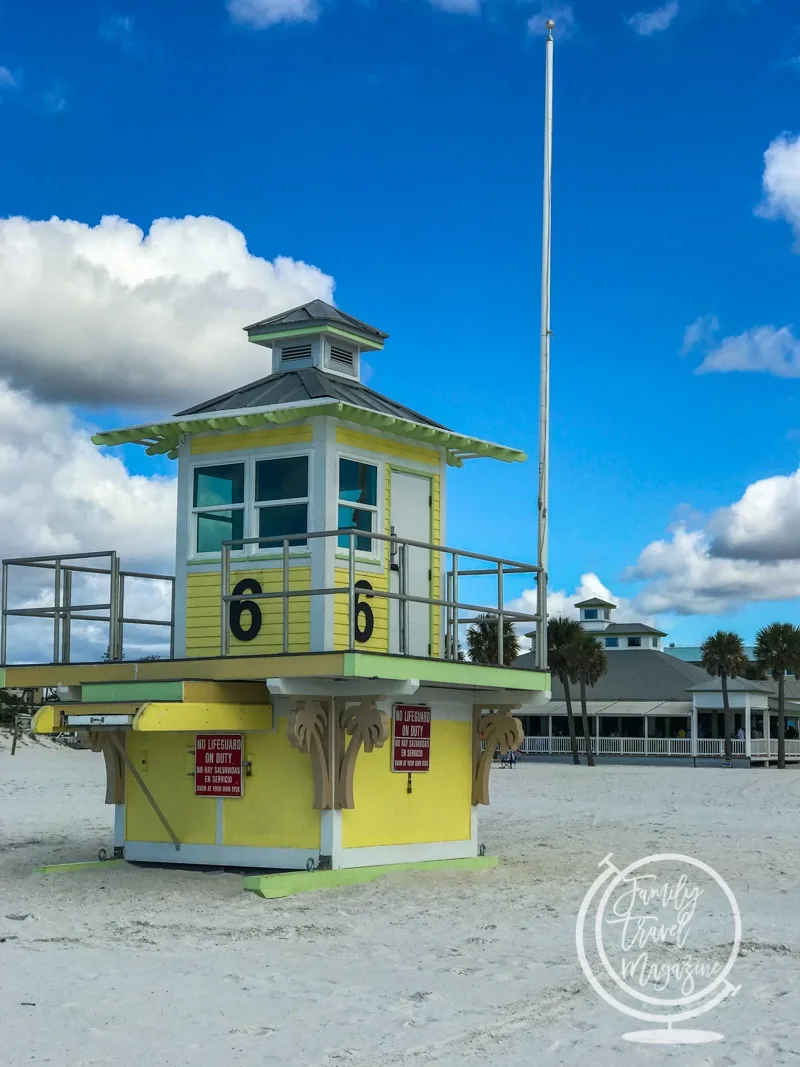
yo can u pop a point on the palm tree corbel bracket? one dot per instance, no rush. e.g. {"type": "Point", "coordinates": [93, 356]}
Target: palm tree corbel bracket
{"type": "Point", "coordinates": [360, 724]}
{"type": "Point", "coordinates": [498, 727]}
{"type": "Point", "coordinates": [307, 731]}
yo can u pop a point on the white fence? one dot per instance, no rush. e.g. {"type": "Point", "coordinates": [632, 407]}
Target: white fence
{"type": "Point", "coordinates": [758, 748]}
{"type": "Point", "coordinates": [640, 746]}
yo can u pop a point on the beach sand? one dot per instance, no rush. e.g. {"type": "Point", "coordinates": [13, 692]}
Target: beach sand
{"type": "Point", "coordinates": [142, 967]}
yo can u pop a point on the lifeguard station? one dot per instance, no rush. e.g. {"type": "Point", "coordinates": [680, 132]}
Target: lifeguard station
{"type": "Point", "coordinates": [315, 709]}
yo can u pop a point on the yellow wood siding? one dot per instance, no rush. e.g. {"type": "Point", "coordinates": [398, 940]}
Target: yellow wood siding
{"type": "Point", "coordinates": [203, 613]}
{"type": "Point", "coordinates": [384, 446]}
{"type": "Point", "coordinates": [250, 439]}
{"type": "Point", "coordinates": [438, 807]}
{"type": "Point", "coordinates": [166, 764]}
{"type": "Point", "coordinates": [276, 810]}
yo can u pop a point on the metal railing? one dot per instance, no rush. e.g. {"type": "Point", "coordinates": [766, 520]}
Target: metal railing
{"type": "Point", "coordinates": [399, 548]}
{"type": "Point", "coordinates": [64, 612]}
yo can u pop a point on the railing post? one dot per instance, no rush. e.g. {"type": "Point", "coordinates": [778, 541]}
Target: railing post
{"type": "Point", "coordinates": [448, 626]}
{"type": "Point", "coordinates": [3, 619]}
{"type": "Point", "coordinates": [404, 601]}
{"type": "Point", "coordinates": [351, 589]}
{"type": "Point", "coordinates": [114, 638]}
{"type": "Point", "coordinates": [500, 615]}
{"type": "Point", "coordinates": [285, 598]}
{"type": "Point", "coordinates": [57, 607]}
{"type": "Point", "coordinates": [66, 624]}
{"type": "Point", "coordinates": [121, 613]}
{"type": "Point", "coordinates": [455, 605]}
{"type": "Point", "coordinates": [225, 605]}
{"type": "Point", "coordinates": [172, 619]}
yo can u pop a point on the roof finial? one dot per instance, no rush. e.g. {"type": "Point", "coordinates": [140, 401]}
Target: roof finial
{"type": "Point", "coordinates": [550, 26]}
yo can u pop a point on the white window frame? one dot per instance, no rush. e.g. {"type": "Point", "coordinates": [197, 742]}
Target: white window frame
{"type": "Point", "coordinates": [250, 523]}
{"type": "Point", "coordinates": [195, 511]}
{"type": "Point", "coordinates": [277, 549]}
{"type": "Point", "coordinates": [375, 556]}
{"type": "Point", "coordinates": [609, 640]}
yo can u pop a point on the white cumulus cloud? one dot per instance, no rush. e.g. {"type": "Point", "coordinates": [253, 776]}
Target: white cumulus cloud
{"type": "Point", "coordinates": [781, 182]}
{"type": "Point", "coordinates": [748, 551]}
{"type": "Point", "coordinates": [60, 493]}
{"type": "Point", "coordinates": [7, 79]}
{"type": "Point", "coordinates": [769, 349]}
{"type": "Point", "coordinates": [699, 332]}
{"type": "Point", "coordinates": [763, 524]}
{"type": "Point", "coordinates": [684, 576]}
{"type": "Point", "coordinates": [458, 7]}
{"type": "Point", "coordinates": [110, 315]}
{"type": "Point", "coordinates": [646, 23]}
{"type": "Point", "coordinates": [259, 14]}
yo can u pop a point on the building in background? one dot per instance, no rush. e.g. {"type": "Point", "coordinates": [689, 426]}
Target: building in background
{"type": "Point", "coordinates": [655, 703]}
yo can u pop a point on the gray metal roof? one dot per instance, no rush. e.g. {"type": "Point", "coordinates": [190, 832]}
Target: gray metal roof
{"type": "Point", "coordinates": [314, 313]}
{"type": "Point", "coordinates": [735, 685]}
{"type": "Point", "coordinates": [646, 674]}
{"type": "Point", "coordinates": [595, 602]}
{"type": "Point", "coordinates": [294, 386]}
{"type": "Point", "coordinates": [614, 628]}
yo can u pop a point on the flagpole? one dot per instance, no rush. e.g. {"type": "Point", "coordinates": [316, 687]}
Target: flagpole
{"type": "Point", "coordinates": [544, 362]}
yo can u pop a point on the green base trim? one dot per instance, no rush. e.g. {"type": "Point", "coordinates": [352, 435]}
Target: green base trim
{"type": "Point", "coordinates": [136, 692]}
{"type": "Point", "coordinates": [65, 868]}
{"type": "Point", "coordinates": [272, 886]}
{"type": "Point", "coordinates": [453, 672]}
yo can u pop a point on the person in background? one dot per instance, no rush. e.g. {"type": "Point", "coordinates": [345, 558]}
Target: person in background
{"type": "Point", "coordinates": [740, 734]}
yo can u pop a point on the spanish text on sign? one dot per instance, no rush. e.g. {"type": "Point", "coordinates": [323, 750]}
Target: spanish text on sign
{"type": "Point", "coordinates": [411, 738]}
{"type": "Point", "coordinates": [218, 765]}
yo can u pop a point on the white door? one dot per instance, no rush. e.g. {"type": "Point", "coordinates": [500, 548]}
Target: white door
{"type": "Point", "coordinates": [410, 497]}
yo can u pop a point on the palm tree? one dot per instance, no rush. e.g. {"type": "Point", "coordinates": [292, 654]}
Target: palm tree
{"type": "Point", "coordinates": [778, 651]}
{"type": "Point", "coordinates": [723, 657]}
{"type": "Point", "coordinates": [561, 631]}
{"type": "Point", "coordinates": [482, 641]}
{"type": "Point", "coordinates": [586, 664]}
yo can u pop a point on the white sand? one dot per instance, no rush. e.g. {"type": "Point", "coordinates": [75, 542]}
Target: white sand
{"type": "Point", "coordinates": [126, 966]}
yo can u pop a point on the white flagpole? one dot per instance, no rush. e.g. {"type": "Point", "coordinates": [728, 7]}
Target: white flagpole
{"type": "Point", "coordinates": [544, 361]}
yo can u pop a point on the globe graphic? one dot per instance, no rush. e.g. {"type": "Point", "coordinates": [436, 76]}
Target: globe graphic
{"type": "Point", "coordinates": [659, 881]}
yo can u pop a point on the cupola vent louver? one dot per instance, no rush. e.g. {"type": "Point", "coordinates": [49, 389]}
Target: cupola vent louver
{"type": "Point", "coordinates": [295, 352]}
{"type": "Point", "coordinates": [340, 357]}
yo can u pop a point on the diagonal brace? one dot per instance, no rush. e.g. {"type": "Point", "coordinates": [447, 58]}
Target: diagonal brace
{"type": "Point", "coordinates": [143, 786]}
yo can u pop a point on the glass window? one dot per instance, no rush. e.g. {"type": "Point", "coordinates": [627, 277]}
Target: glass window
{"type": "Point", "coordinates": [655, 642]}
{"type": "Point", "coordinates": [282, 479]}
{"type": "Point", "coordinates": [590, 613]}
{"type": "Point", "coordinates": [612, 642]}
{"type": "Point", "coordinates": [634, 642]}
{"type": "Point", "coordinates": [282, 521]}
{"type": "Point", "coordinates": [214, 527]}
{"type": "Point", "coordinates": [358, 485]}
{"type": "Point", "coordinates": [358, 482]}
{"type": "Point", "coordinates": [218, 502]}
{"type": "Point", "coordinates": [282, 499]}
{"type": "Point", "coordinates": [216, 486]}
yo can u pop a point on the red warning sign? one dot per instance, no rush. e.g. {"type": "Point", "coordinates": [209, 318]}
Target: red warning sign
{"type": "Point", "coordinates": [411, 738]}
{"type": "Point", "coordinates": [218, 765]}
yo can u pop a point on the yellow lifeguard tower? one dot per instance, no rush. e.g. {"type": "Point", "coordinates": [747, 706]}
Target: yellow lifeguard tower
{"type": "Point", "coordinates": [314, 710]}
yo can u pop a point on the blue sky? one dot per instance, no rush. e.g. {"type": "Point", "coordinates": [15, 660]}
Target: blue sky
{"type": "Point", "coordinates": [396, 146]}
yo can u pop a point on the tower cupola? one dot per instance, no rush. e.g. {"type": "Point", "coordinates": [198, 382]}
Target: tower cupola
{"type": "Point", "coordinates": [316, 335]}
{"type": "Point", "coordinates": [595, 613]}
